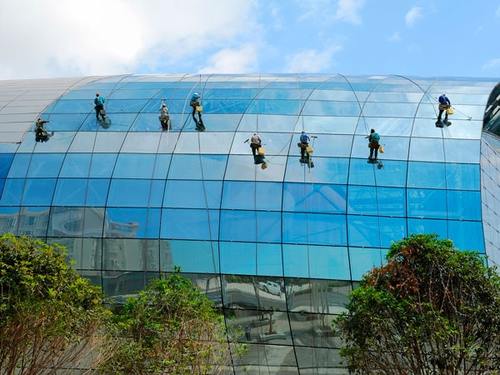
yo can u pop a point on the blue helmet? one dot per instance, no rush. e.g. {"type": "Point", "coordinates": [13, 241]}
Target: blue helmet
{"type": "Point", "coordinates": [196, 96]}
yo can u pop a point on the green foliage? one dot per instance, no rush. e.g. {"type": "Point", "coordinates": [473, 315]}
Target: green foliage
{"type": "Point", "coordinates": [430, 310]}
{"type": "Point", "coordinates": [170, 328]}
{"type": "Point", "coordinates": [49, 315]}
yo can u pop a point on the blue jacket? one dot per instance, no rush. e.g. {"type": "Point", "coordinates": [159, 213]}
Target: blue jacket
{"type": "Point", "coordinates": [374, 137]}
{"type": "Point", "coordinates": [304, 138]}
{"type": "Point", "coordinates": [99, 100]}
{"type": "Point", "coordinates": [443, 99]}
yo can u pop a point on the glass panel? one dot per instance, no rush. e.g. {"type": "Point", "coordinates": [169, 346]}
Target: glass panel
{"type": "Point", "coordinates": [9, 217]}
{"type": "Point", "coordinates": [85, 252]}
{"type": "Point", "coordinates": [192, 194]}
{"type": "Point", "coordinates": [210, 167]}
{"type": "Point", "coordinates": [259, 326]}
{"type": "Point", "coordinates": [251, 226]}
{"type": "Point", "coordinates": [205, 143]}
{"type": "Point", "coordinates": [395, 148]}
{"type": "Point", "coordinates": [275, 107]}
{"type": "Point", "coordinates": [326, 170]}
{"type": "Point", "coordinates": [385, 126]}
{"type": "Point", "coordinates": [426, 149]}
{"type": "Point", "coordinates": [59, 142]}
{"type": "Point", "coordinates": [317, 296]}
{"type": "Point", "coordinates": [242, 167]}
{"type": "Point", "coordinates": [97, 192]}
{"type": "Point", "coordinates": [65, 122]}
{"type": "Point", "coordinates": [462, 176]}
{"type": "Point", "coordinates": [267, 293]}
{"type": "Point", "coordinates": [189, 224]}
{"type": "Point", "coordinates": [109, 142]}
{"type": "Point", "coordinates": [390, 109]}
{"type": "Point", "coordinates": [135, 193]}
{"type": "Point", "coordinates": [132, 223]}
{"type": "Point", "coordinates": [464, 205]}
{"type": "Point", "coordinates": [274, 143]}
{"type": "Point", "coordinates": [427, 175]}
{"type": "Point", "coordinates": [134, 166]}
{"type": "Point", "coordinates": [327, 124]}
{"type": "Point", "coordinates": [102, 165]}
{"type": "Point", "coordinates": [83, 142]}
{"type": "Point", "coordinates": [130, 254]}
{"type": "Point", "coordinates": [266, 123]}
{"type": "Point", "coordinates": [321, 108]}
{"type": "Point", "coordinates": [376, 201]}
{"type": "Point", "coordinates": [364, 259]}
{"type": "Point", "coordinates": [392, 174]}
{"type": "Point", "coordinates": [462, 151]}
{"type": "Point", "coordinates": [94, 222]}
{"type": "Point", "coordinates": [466, 235]}
{"type": "Point", "coordinates": [261, 359]}
{"type": "Point", "coordinates": [314, 229]}
{"type": "Point", "coordinates": [141, 142]}
{"type": "Point", "coordinates": [76, 165]}
{"type": "Point", "coordinates": [33, 221]}
{"type": "Point", "coordinates": [315, 198]}
{"type": "Point", "coordinates": [121, 285]}
{"type": "Point", "coordinates": [313, 330]}
{"type": "Point", "coordinates": [66, 222]}
{"type": "Point", "coordinates": [373, 231]}
{"type": "Point", "coordinates": [38, 192]}
{"type": "Point", "coordinates": [252, 195]}
{"type": "Point", "coordinates": [70, 192]}
{"type": "Point", "coordinates": [47, 165]}
{"type": "Point", "coordinates": [19, 166]}
{"type": "Point", "coordinates": [316, 262]}
{"type": "Point", "coordinates": [427, 203]}
{"type": "Point", "coordinates": [319, 360]}
{"type": "Point", "coordinates": [12, 192]}
{"type": "Point", "coordinates": [439, 227]}
{"type": "Point", "coordinates": [190, 256]}
{"type": "Point", "coordinates": [5, 163]}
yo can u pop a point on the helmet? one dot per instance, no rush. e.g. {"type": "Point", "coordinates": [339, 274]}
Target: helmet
{"type": "Point", "coordinates": [196, 95]}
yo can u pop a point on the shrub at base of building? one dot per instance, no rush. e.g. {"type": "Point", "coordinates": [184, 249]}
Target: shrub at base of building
{"type": "Point", "coordinates": [50, 317]}
{"type": "Point", "coordinates": [430, 310]}
{"type": "Point", "coordinates": [170, 328]}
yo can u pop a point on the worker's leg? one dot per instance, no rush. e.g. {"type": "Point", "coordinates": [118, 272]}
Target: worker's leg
{"type": "Point", "coordinates": [200, 121]}
{"type": "Point", "coordinates": [440, 114]}
{"type": "Point", "coordinates": [376, 152]}
{"type": "Point", "coordinates": [302, 151]}
{"type": "Point", "coordinates": [371, 153]}
{"type": "Point", "coordinates": [193, 115]}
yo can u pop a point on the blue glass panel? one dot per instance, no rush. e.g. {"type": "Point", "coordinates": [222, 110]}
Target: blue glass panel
{"type": "Point", "coordinates": [241, 93]}
{"type": "Point", "coordinates": [321, 107]}
{"type": "Point", "coordinates": [252, 195]}
{"type": "Point", "coordinates": [275, 107]}
{"type": "Point", "coordinates": [132, 222]}
{"type": "Point", "coordinates": [70, 192]}
{"type": "Point", "coordinates": [12, 192]}
{"type": "Point", "coordinates": [314, 198]}
{"type": "Point", "coordinates": [8, 219]}
{"type": "Point", "coordinates": [464, 205]}
{"type": "Point", "coordinates": [238, 258]}
{"type": "Point", "coordinates": [462, 150]}
{"type": "Point", "coordinates": [45, 165]}
{"type": "Point", "coordinates": [429, 226]}
{"type": "Point", "coordinates": [462, 176]}
{"type": "Point", "coordinates": [135, 193]}
{"type": "Point", "coordinates": [33, 221]}
{"type": "Point", "coordinates": [225, 106]}
{"type": "Point", "coordinates": [426, 175]}
{"type": "Point", "coordinates": [97, 192]}
{"type": "Point", "coordinates": [2, 183]}
{"type": "Point", "coordinates": [269, 260]}
{"type": "Point", "coordinates": [162, 164]}
{"type": "Point", "coordinates": [20, 165]}
{"type": "Point", "coordinates": [390, 109]}
{"type": "Point", "coordinates": [66, 222]}
{"type": "Point", "coordinates": [427, 203]}
{"type": "Point", "coordinates": [76, 165]}
{"type": "Point", "coordinates": [134, 166]}
{"type": "Point", "coordinates": [59, 142]}
{"type": "Point", "coordinates": [392, 174]}
{"type": "Point", "coordinates": [192, 194]}
{"type": "Point", "coordinates": [296, 260]}
{"type": "Point", "coordinates": [326, 170]}
{"type": "Point", "coordinates": [319, 229]}
{"type": "Point", "coordinates": [190, 256]}
{"type": "Point", "coordinates": [369, 200]}
{"type": "Point", "coordinates": [329, 262]}
{"type": "Point", "coordinates": [364, 259]}
{"type": "Point", "coordinates": [5, 162]}
{"type": "Point", "coordinates": [125, 105]}
{"type": "Point", "coordinates": [94, 222]}
{"type": "Point", "coordinates": [372, 231]}
{"type": "Point", "coordinates": [120, 122]}
{"type": "Point", "coordinates": [188, 167]}
{"type": "Point", "coordinates": [466, 235]}
{"type": "Point", "coordinates": [38, 192]}
{"type": "Point", "coordinates": [251, 226]}
{"type": "Point", "coordinates": [69, 122]}
{"type": "Point", "coordinates": [146, 122]}
{"type": "Point", "coordinates": [71, 106]}
{"type": "Point", "coordinates": [189, 224]}
{"type": "Point", "coordinates": [102, 165]}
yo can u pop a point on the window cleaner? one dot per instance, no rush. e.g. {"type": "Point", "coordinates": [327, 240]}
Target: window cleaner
{"type": "Point", "coordinates": [41, 134]}
{"type": "Point", "coordinates": [164, 116]}
{"type": "Point", "coordinates": [306, 150]}
{"type": "Point", "coordinates": [197, 109]}
{"type": "Point", "coordinates": [444, 106]}
{"type": "Point", "coordinates": [373, 144]}
{"type": "Point", "coordinates": [99, 107]}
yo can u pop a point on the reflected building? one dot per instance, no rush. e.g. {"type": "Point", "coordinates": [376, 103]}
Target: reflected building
{"type": "Point", "coordinates": [278, 249]}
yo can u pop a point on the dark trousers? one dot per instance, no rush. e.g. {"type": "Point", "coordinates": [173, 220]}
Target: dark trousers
{"type": "Point", "coordinates": [372, 149]}
{"type": "Point", "coordinates": [445, 115]}
{"type": "Point", "coordinates": [303, 147]}
{"type": "Point", "coordinates": [254, 148]}
{"type": "Point", "coordinates": [98, 108]}
{"type": "Point", "coordinates": [199, 121]}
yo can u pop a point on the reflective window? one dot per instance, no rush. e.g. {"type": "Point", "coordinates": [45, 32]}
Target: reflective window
{"type": "Point", "coordinates": [427, 149]}
{"type": "Point", "coordinates": [462, 151]}
{"type": "Point", "coordinates": [466, 235]}
{"type": "Point", "coordinates": [70, 192]}
{"type": "Point", "coordinates": [33, 221]}
{"type": "Point", "coordinates": [134, 166]}
{"type": "Point", "coordinates": [109, 142]}
{"type": "Point", "coordinates": [369, 200]}
{"type": "Point", "coordinates": [439, 227]}
{"type": "Point", "coordinates": [65, 122]}
{"type": "Point", "coordinates": [427, 175]}
{"type": "Point", "coordinates": [462, 176]}
{"type": "Point", "coordinates": [243, 167]}
{"type": "Point", "coordinates": [314, 330]}
{"type": "Point", "coordinates": [132, 223]}
{"type": "Point", "coordinates": [141, 142]}
{"type": "Point", "coordinates": [12, 192]}
{"type": "Point", "coordinates": [192, 194]}
{"type": "Point", "coordinates": [206, 143]}
{"type": "Point", "coordinates": [102, 165]}
{"type": "Point", "coordinates": [130, 254]}
{"type": "Point", "coordinates": [45, 165]}
{"type": "Point", "coordinates": [364, 259]}
{"type": "Point", "coordinates": [428, 203]}
{"type": "Point", "coordinates": [38, 192]}
{"type": "Point", "coordinates": [135, 193]}
{"type": "Point", "coordinates": [5, 162]}
{"type": "Point", "coordinates": [9, 217]}
{"type": "Point", "coordinates": [66, 222]}
{"type": "Point", "coordinates": [76, 165]}
{"type": "Point", "coordinates": [326, 170]}
{"type": "Point", "coordinates": [250, 195]}
{"type": "Point", "coordinates": [20, 165]}
{"type": "Point", "coordinates": [208, 167]}
{"type": "Point", "coordinates": [464, 205]}
{"type": "Point", "coordinates": [97, 192]}
{"type": "Point", "coordinates": [251, 226]}
{"type": "Point", "coordinates": [328, 124]}
{"type": "Point", "coordinates": [314, 198]}
{"type": "Point", "coordinates": [317, 296]}
{"type": "Point", "coordinates": [275, 107]}
{"type": "Point", "coordinates": [321, 108]}
{"type": "Point", "coordinates": [392, 174]}
{"type": "Point", "coordinates": [190, 256]}
{"type": "Point", "coordinates": [273, 143]}
{"type": "Point", "coordinates": [373, 231]}
{"type": "Point", "coordinates": [390, 109]}
{"type": "Point", "coordinates": [395, 148]}
{"type": "Point", "coordinates": [189, 224]}
{"type": "Point", "coordinates": [314, 229]}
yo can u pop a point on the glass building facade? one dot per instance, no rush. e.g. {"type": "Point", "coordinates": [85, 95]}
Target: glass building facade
{"type": "Point", "coordinates": [279, 248]}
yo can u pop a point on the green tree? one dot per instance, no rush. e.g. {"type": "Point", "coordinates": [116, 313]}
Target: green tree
{"type": "Point", "coordinates": [170, 328]}
{"type": "Point", "coordinates": [49, 315]}
{"type": "Point", "coordinates": [430, 310]}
